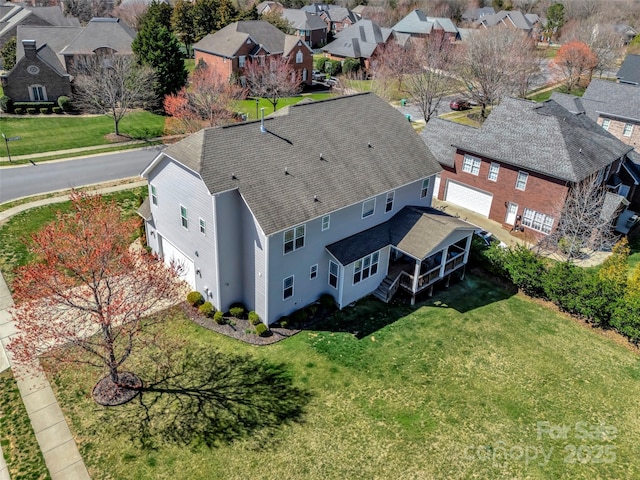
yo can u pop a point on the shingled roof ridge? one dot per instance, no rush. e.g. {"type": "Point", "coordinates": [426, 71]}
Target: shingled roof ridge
{"type": "Point", "coordinates": [326, 100]}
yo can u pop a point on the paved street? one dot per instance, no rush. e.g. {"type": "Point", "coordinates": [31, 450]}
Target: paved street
{"type": "Point", "coordinates": [26, 180]}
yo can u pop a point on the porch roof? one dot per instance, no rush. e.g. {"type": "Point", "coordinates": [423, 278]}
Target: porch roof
{"type": "Point", "coordinates": [416, 231]}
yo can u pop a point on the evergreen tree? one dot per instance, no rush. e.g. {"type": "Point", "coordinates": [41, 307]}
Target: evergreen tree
{"type": "Point", "coordinates": [8, 54]}
{"type": "Point", "coordinates": [156, 47]}
{"type": "Point", "coordinates": [182, 23]}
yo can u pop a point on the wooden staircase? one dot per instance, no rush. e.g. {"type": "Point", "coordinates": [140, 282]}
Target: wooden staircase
{"type": "Point", "coordinates": [387, 288]}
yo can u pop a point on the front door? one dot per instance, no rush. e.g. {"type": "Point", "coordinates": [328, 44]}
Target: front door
{"type": "Point", "coordinates": [512, 211]}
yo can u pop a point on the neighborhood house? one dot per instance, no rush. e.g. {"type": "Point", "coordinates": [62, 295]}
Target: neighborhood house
{"type": "Point", "coordinates": [266, 214]}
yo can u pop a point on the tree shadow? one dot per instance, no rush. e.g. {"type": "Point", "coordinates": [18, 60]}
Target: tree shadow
{"type": "Point", "coordinates": [369, 315]}
{"type": "Point", "coordinates": [203, 396]}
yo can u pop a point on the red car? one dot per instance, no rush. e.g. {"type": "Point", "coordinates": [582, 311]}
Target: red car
{"type": "Point", "coordinates": [459, 104]}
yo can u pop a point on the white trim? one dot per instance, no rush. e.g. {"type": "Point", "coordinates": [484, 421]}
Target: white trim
{"type": "Point", "coordinates": [313, 272]}
{"type": "Point", "coordinates": [373, 210]}
{"type": "Point", "coordinates": [390, 195]}
{"type": "Point", "coordinates": [494, 166]}
{"type": "Point", "coordinates": [470, 163]}
{"type": "Point", "coordinates": [526, 179]}
{"type": "Point", "coordinates": [293, 280]}
{"type": "Point", "coordinates": [322, 226]}
{"type": "Point", "coordinates": [184, 219]}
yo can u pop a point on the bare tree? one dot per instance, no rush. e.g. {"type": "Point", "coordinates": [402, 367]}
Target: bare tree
{"type": "Point", "coordinates": [494, 63]}
{"type": "Point", "coordinates": [205, 102]}
{"type": "Point", "coordinates": [131, 12]}
{"type": "Point", "coordinates": [271, 77]}
{"type": "Point", "coordinates": [392, 63]}
{"type": "Point", "coordinates": [604, 41]}
{"type": "Point", "coordinates": [112, 85]}
{"type": "Point", "coordinates": [584, 225]}
{"type": "Point", "coordinates": [432, 81]}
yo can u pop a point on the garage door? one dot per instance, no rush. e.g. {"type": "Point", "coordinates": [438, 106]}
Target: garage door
{"type": "Point", "coordinates": [469, 198]}
{"type": "Point", "coordinates": [171, 253]}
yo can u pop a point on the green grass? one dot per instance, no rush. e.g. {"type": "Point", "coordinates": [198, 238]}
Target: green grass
{"type": "Point", "coordinates": [17, 230]}
{"type": "Point", "coordinates": [248, 107]}
{"type": "Point", "coordinates": [60, 132]}
{"type": "Point", "coordinates": [19, 445]}
{"type": "Point", "coordinates": [433, 391]}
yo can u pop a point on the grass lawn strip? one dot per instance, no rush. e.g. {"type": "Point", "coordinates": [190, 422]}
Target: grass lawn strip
{"type": "Point", "coordinates": [19, 444]}
{"type": "Point", "coordinates": [452, 389]}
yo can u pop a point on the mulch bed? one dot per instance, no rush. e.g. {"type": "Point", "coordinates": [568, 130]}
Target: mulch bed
{"type": "Point", "coordinates": [108, 394]}
{"type": "Point", "coordinates": [239, 330]}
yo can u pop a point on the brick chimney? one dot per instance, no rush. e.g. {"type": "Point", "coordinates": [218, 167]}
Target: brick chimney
{"type": "Point", "coordinates": [29, 48]}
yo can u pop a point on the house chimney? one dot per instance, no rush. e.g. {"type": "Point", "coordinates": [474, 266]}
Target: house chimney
{"type": "Point", "coordinates": [29, 48]}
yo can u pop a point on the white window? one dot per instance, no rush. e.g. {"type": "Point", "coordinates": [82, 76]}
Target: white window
{"type": "Point", "coordinates": [287, 287]}
{"type": "Point", "coordinates": [471, 165]}
{"type": "Point", "coordinates": [605, 123]}
{"type": "Point", "coordinates": [294, 239]}
{"type": "Point", "coordinates": [326, 222]}
{"type": "Point", "coordinates": [304, 74]}
{"type": "Point", "coordinates": [628, 130]}
{"type": "Point", "coordinates": [203, 227]}
{"type": "Point", "coordinates": [242, 60]}
{"type": "Point", "coordinates": [365, 267]}
{"type": "Point", "coordinates": [38, 93]}
{"type": "Point", "coordinates": [299, 56]}
{"type": "Point", "coordinates": [537, 221]}
{"type": "Point", "coordinates": [368, 207]}
{"type": "Point", "coordinates": [333, 274]}
{"type": "Point", "coordinates": [493, 172]}
{"type": "Point", "coordinates": [425, 188]}
{"type": "Point", "coordinates": [154, 195]}
{"type": "Point", "coordinates": [183, 217]}
{"type": "Point", "coordinates": [313, 272]}
{"type": "Point", "coordinates": [521, 182]}
{"type": "Point", "coordinates": [389, 203]}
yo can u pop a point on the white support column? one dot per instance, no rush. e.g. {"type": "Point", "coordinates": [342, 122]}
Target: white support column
{"type": "Point", "coordinates": [467, 248]}
{"type": "Point", "coordinates": [443, 262]}
{"type": "Point", "coordinates": [416, 274]}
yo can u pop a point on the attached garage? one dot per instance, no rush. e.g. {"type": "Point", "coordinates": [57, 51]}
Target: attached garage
{"type": "Point", "coordinates": [468, 197]}
{"type": "Point", "coordinates": [171, 253]}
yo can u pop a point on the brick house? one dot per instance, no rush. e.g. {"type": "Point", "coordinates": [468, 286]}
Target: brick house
{"type": "Point", "coordinates": [228, 50]}
{"type": "Point", "coordinates": [361, 41]}
{"type": "Point", "coordinates": [417, 24]}
{"type": "Point", "coordinates": [311, 28]}
{"type": "Point", "coordinates": [46, 56]}
{"type": "Point", "coordinates": [526, 22]}
{"type": "Point", "coordinates": [518, 168]}
{"type": "Point", "coordinates": [337, 18]}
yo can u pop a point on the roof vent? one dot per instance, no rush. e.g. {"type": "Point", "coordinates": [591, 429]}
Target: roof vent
{"type": "Point", "coordinates": [286, 171]}
{"type": "Point", "coordinates": [369, 145]}
{"type": "Point", "coordinates": [233, 176]}
{"type": "Point", "coordinates": [321, 157]}
{"type": "Point", "coordinates": [315, 198]}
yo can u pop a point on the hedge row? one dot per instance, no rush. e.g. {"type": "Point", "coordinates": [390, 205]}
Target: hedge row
{"type": "Point", "coordinates": [606, 297]}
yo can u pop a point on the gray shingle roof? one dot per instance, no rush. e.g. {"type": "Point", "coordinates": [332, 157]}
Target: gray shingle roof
{"type": "Point", "coordinates": [544, 138]}
{"type": "Point", "coordinates": [302, 20]}
{"type": "Point", "coordinates": [417, 231]}
{"type": "Point", "coordinates": [48, 56]}
{"type": "Point", "coordinates": [473, 14]}
{"type": "Point", "coordinates": [102, 33]}
{"type": "Point", "coordinates": [359, 40]}
{"type": "Point", "coordinates": [440, 135]}
{"type": "Point", "coordinates": [611, 99]}
{"type": "Point", "coordinates": [323, 147]}
{"type": "Point", "coordinates": [227, 41]}
{"type": "Point", "coordinates": [630, 70]}
{"type": "Point", "coordinates": [570, 102]}
{"type": "Point", "coordinates": [515, 17]}
{"type": "Point", "coordinates": [55, 37]}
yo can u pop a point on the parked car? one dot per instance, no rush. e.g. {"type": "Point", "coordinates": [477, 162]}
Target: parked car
{"type": "Point", "coordinates": [489, 238]}
{"type": "Point", "coordinates": [459, 104]}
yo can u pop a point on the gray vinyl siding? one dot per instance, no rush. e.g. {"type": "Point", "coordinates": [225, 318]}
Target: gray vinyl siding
{"type": "Point", "coordinates": [344, 223]}
{"type": "Point", "coordinates": [175, 186]}
{"type": "Point", "coordinates": [253, 253]}
{"type": "Point", "coordinates": [228, 208]}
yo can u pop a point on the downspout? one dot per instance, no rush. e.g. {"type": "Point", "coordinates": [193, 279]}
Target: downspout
{"type": "Point", "coordinates": [216, 255]}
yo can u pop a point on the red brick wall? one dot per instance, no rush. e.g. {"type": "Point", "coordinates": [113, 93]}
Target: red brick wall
{"type": "Point", "coordinates": [542, 193]}
{"type": "Point", "coordinates": [222, 65]}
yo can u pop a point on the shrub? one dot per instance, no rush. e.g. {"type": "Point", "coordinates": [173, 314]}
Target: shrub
{"type": "Point", "coordinates": [64, 103]}
{"type": "Point", "coordinates": [284, 322]}
{"type": "Point", "coordinates": [626, 318]}
{"type": "Point", "coordinates": [299, 316]}
{"type": "Point", "coordinates": [313, 308]}
{"type": "Point", "coordinates": [262, 329]}
{"type": "Point", "coordinates": [237, 310]}
{"type": "Point", "coordinates": [57, 110]}
{"type": "Point", "coordinates": [350, 65]}
{"type": "Point", "coordinates": [526, 269]}
{"type": "Point", "coordinates": [327, 301]}
{"type": "Point", "coordinates": [563, 285]}
{"type": "Point", "coordinates": [32, 110]}
{"type": "Point", "coordinates": [18, 111]}
{"type": "Point", "coordinates": [218, 317]}
{"type": "Point", "coordinates": [45, 110]}
{"type": "Point", "coordinates": [207, 309]}
{"type": "Point", "coordinates": [318, 64]}
{"type": "Point", "coordinates": [195, 299]}
{"type": "Point", "coordinates": [6, 104]}
{"type": "Point", "coordinates": [254, 318]}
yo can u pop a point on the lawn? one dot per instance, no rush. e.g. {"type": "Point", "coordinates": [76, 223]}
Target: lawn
{"type": "Point", "coordinates": [13, 233]}
{"type": "Point", "coordinates": [44, 133]}
{"type": "Point", "coordinates": [248, 107]}
{"type": "Point", "coordinates": [19, 444]}
{"type": "Point", "coordinates": [476, 382]}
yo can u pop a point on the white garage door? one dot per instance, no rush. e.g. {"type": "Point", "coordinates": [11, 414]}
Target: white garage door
{"type": "Point", "coordinates": [171, 253]}
{"type": "Point", "coordinates": [469, 198]}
